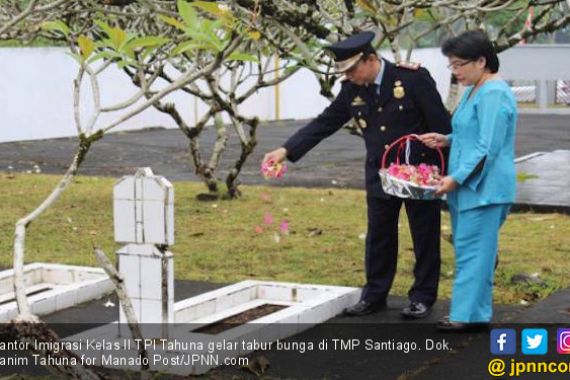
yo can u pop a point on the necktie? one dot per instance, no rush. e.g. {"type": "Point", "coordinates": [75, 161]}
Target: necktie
{"type": "Point", "coordinates": [373, 90]}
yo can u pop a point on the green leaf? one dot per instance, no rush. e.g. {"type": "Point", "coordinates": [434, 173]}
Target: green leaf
{"type": "Point", "coordinates": [173, 22]}
{"type": "Point", "coordinates": [183, 47]}
{"type": "Point", "coordinates": [143, 42]}
{"type": "Point", "coordinates": [124, 63]}
{"type": "Point", "coordinates": [188, 13]}
{"type": "Point", "coordinates": [86, 46]}
{"type": "Point", "coordinates": [118, 38]}
{"type": "Point", "coordinates": [213, 8]}
{"type": "Point", "coordinates": [254, 35]}
{"type": "Point", "coordinates": [213, 25]}
{"type": "Point", "coordinates": [55, 26]}
{"type": "Point", "coordinates": [104, 26]}
{"type": "Point", "coordinates": [146, 52]}
{"type": "Point", "coordinates": [100, 55]}
{"type": "Point", "coordinates": [206, 37]}
{"type": "Point", "coordinates": [242, 57]}
{"type": "Point", "coordinates": [207, 6]}
{"type": "Point", "coordinates": [190, 45]}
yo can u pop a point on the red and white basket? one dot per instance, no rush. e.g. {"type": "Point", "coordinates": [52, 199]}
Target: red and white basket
{"type": "Point", "coordinates": [399, 187]}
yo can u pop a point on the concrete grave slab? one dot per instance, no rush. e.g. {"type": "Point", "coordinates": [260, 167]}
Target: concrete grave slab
{"type": "Point", "coordinates": [53, 287]}
{"type": "Point", "coordinates": [305, 306]}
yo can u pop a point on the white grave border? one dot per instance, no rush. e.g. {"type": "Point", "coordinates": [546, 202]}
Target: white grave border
{"type": "Point", "coordinates": [60, 287]}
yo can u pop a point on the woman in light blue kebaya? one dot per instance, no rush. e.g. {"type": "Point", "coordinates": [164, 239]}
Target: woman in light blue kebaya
{"type": "Point", "coordinates": [481, 179]}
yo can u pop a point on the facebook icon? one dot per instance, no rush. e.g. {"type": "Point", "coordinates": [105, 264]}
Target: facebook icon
{"type": "Point", "coordinates": [503, 341]}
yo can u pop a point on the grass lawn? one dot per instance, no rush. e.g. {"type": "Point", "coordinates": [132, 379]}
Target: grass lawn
{"type": "Point", "coordinates": [218, 241]}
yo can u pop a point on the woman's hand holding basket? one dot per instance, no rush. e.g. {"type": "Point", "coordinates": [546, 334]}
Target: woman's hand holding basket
{"type": "Point", "coordinates": [434, 140]}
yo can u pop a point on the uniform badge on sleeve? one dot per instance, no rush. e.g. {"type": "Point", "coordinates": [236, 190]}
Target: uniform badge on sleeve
{"type": "Point", "coordinates": [408, 65]}
{"type": "Point", "coordinates": [399, 92]}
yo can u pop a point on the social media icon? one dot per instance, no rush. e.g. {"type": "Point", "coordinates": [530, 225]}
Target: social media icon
{"type": "Point", "coordinates": [534, 341]}
{"type": "Point", "coordinates": [503, 341]}
{"type": "Point", "coordinates": [563, 341]}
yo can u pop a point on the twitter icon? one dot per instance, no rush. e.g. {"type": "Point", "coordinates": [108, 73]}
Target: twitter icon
{"type": "Point", "coordinates": [534, 341]}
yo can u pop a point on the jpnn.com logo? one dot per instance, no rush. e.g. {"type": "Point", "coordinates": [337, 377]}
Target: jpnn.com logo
{"type": "Point", "coordinates": [504, 341]}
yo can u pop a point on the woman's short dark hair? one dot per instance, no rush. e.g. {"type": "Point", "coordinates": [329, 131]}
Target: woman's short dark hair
{"type": "Point", "coordinates": [472, 45]}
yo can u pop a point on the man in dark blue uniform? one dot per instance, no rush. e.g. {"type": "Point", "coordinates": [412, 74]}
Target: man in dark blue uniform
{"type": "Point", "coordinates": [387, 101]}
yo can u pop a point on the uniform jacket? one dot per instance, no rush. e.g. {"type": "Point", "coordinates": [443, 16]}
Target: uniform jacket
{"type": "Point", "coordinates": [408, 102]}
{"type": "Point", "coordinates": [482, 147]}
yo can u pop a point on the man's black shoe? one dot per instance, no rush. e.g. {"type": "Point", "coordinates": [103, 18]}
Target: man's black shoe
{"type": "Point", "coordinates": [364, 307]}
{"type": "Point", "coordinates": [415, 310]}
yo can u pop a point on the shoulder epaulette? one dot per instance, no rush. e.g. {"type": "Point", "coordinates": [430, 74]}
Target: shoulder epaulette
{"type": "Point", "coordinates": [408, 65]}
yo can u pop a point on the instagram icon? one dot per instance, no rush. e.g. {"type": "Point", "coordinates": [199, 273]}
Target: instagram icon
{"type": "Point", "coordinates": [563, 341]}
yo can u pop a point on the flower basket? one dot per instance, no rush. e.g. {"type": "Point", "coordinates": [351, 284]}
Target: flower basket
{"type": "Point", "coordinates": [410, 181]}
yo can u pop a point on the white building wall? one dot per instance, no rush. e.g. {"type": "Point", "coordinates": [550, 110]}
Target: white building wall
{"type": "Point", "coordinates": [536, 62]}
{"type": "Point", "coordinates": [36, 90]}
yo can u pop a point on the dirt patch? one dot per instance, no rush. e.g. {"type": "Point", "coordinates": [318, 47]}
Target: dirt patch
{"type": "Point", "coordinates": [239, 319]}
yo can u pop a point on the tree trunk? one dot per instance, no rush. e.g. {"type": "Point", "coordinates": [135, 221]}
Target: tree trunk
{"type": "Point", "coordinates": [453, 96]}
{"type": "Point", "coordinates": [28, 328]}
{"type": "Point", "coordinates": [128, 309]}
{"type": "Point", "coordinates": [22, 224]}
{"type": "Point", "coordinates": [247, 146]}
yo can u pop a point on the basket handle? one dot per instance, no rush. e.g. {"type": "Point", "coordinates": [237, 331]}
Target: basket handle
{"type": "Point", "coordinates": [401, 142]}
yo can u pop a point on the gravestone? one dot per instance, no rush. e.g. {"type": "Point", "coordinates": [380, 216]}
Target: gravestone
{"type": "Point", "coordinates": [143, 208]}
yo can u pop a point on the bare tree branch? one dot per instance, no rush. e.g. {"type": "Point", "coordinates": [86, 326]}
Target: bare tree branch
{"type": "Point", "coordinates": [119, 282]}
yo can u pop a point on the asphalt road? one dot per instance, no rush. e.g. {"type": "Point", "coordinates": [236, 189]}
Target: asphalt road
{"type": "Point", "coordinates": [336, 162]}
